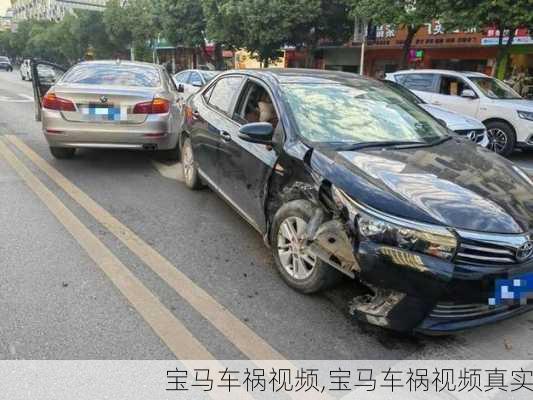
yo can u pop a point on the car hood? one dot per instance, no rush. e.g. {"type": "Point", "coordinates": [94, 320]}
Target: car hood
{"type": "Point", "coordinates": [518, 104]}
{"type": "Point", "coordinates": [456, 183]}
{"type": "Point", "coordinates": [454, 121]}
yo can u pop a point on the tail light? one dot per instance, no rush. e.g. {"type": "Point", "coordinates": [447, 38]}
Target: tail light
{"type": "Point", "coordinates": [52, 102]}
{"type": "Point", "coordinates": [156, 106]}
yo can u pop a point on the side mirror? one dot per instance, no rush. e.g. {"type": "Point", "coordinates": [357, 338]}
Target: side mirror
{"type": "Point", "coordinates": [469, 94]}
{"type": "Point", "coordinates": [257, 132]}
{"type": "Point", "coordinates": [181, 88]}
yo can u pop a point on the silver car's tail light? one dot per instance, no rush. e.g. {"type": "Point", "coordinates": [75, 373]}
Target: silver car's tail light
{"type": "Point", "coordinates": [52, 102]}
{"type": "Point", "coordinates": [156, 106]}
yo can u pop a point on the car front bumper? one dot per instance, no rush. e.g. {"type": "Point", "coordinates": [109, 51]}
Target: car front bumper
{"type": "Point", "coordinates": [418, 293]}
{"type": "Point", "coordinates": [153, 134]}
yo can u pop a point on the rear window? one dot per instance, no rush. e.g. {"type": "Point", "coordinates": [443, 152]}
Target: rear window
{"type": "Point", "coordinates": [4, 59]}
{"type": "Point", "coordinates": [114, 74]}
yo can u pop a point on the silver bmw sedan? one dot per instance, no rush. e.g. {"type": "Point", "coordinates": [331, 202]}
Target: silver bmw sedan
{"type": "Point", "coordinates": [107, 104]}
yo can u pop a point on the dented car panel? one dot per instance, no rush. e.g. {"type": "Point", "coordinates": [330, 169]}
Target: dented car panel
{"type": "Point", "coordinates": [427, 227]}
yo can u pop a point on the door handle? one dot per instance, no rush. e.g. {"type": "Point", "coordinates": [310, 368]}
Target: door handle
{"type": "Point", "coordinates": [437, 103]}
{"type": "Point", "coordinates": [225, 136]}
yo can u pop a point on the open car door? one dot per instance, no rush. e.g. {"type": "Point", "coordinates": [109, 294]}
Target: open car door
{"type": "Point", "coordinates": [45, 75]}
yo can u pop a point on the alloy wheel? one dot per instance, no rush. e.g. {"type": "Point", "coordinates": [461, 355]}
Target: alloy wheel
{"type": "Point", "coordinates": [499, 139]}
{"type": "Point", "coordinates": [293, 253]}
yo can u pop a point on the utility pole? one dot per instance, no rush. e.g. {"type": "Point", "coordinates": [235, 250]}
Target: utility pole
{"type": "Point", "coordinates": [362, 63]}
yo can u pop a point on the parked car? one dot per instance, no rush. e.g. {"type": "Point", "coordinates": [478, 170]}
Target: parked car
{"type": "Point", "coordinates": [192, 80]}
{"type": "Point", "coordinates": [507, 116]}
{"type": "Point", "coordinates": [343, 176]}
{"type": "Point", "coordinates": [463, 125]}
{"type": "Point", "coordinates": [25, 70]}
{"type": "Point", "coordinates": [107, 104]}
{"type": "Point", "coordinates": [5, 64]}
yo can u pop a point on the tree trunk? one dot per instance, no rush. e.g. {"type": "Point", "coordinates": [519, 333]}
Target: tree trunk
{"type": "Point", "coordinates": [411, 32]}
{"type": "Point", "coordinates": [503, 51]}
{"type": "Point", "coordinates": [219, 58]}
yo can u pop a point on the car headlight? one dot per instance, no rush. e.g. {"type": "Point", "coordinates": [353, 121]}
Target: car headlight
{"type": "Point", "coordinates": [373, 225]}
{"type": "Point", "coordinates": [526, 115]}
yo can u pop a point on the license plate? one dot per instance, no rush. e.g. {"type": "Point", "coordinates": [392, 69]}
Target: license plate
{"type": "Point", "coordinates": [105, 113]}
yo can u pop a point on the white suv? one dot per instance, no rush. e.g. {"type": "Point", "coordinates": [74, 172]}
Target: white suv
{"type": "Point", "coordinates": [507, 116]}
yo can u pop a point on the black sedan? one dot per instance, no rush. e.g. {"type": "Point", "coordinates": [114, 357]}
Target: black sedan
{"type": "Point", "coordinates": [345, 177]}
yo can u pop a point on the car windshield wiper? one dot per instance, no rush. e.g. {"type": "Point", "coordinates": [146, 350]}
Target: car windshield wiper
{"type": "Point", "coordinates": [365, 145]}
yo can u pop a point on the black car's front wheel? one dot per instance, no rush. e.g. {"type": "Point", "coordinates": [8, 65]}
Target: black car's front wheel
{"type": "Point", "coordinates": [298, 267]}
{"type": "Point", "coordinates": [63, 152]}
{"type": "Point", "coordinates": [190, 167]}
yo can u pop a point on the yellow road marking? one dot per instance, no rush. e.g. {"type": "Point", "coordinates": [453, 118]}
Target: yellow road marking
{"type": "Point", "coordinates": [173, 333]}
{"type": "Point", "coordinates": [244, 338]}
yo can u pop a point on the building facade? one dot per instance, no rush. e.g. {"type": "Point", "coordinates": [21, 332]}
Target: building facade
{"type": "Point", "coordinates": [51, 10]}
{"type": "Point", "coordinates": [432, 47]}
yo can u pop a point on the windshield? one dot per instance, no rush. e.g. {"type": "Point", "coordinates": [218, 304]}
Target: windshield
{"type": "Point", "coordinates": [4, 59]}
{"type": "Point", "coordinates": [494, 89]}
{"type": "Point", "coordinates": [209, 75]}
{"type": "Point", "coordinates": [114, 74]}
{"type": "Point", "coordinates": [359, 112]}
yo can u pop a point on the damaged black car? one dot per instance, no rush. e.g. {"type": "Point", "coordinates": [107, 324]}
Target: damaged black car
{"type": "Point", "coordinates": [343, 177]}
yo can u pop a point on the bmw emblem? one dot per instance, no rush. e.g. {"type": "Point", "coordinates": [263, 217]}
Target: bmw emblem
{"type": "Point", "coordinates": [525, 251]}
{"type": "Point", "coordinates": [103, 99]}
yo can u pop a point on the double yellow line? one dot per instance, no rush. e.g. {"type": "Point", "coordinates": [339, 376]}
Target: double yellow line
{"type": "Point", "coordinates": [173, 333]}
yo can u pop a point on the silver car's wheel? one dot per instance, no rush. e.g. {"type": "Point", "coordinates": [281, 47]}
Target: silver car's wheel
{"type": "Point", "coordinates": [190, 170]}
{"type": "Point", "coordinates": [293, 254]}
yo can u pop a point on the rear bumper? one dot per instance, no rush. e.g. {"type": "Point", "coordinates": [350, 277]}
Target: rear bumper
{"type": "Point", "coordinates": [153, 134]}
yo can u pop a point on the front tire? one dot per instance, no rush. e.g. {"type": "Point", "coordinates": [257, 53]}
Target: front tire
{"type": "Point", "coordinates": [190, 167]}
{"type": "Point", "coordinates": [63, 152]}
{"type": "Point", "coordinates": [299, 269]}
{"type": "Point", "coordinates": [502, 136]}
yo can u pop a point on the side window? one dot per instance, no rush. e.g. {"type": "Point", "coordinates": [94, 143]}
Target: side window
{"type": "Point", "coordinates": [400, 78]}
{"type": "Point", "coordinates": [255, 105]}
{"type": "Point", "coordinates": [195, 79]}
{"type": "Point", "coordinates": [452, 86]}
{"type": "Point", "coordinates": [182, 77]}
{"type": "Point", "coordinates": [223, 93]}
{"type": "Point", "coordinates": [422, 82]}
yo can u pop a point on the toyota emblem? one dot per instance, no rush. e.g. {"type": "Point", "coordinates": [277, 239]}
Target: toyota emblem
{"type": "Point", "coordinates": [103, 99]}
{"type": "Point", "coordinates": [525, 251]}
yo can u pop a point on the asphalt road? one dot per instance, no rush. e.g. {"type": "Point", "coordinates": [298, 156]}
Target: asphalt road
{"type": "Point", "coordinates": [143, 268]}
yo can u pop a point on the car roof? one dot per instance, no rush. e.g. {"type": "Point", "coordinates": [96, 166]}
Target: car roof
{"type": "Point", "coordinates": [297, 75]}
{"type": "Point", "coordinates": [198, 70]}
{"type": "Point", "coordinates": [121, 62]}
{"type": "Point", "coordinates": [439, 71]}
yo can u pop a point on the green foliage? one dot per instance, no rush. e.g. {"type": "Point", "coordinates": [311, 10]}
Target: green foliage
{"type": "Point", "coordinates": [410, 15]}
{"type": "Point", "coordinates": [504, 15]}
{"type": "Point", "coordinates": [182, 21]}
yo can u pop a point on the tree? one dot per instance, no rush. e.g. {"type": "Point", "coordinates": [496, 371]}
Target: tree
{"type": "Point", "coordinates": [504, 15]}
{"type": "Point", "coordinates": [327, 21]}
{"type": "Point", "coordinates": [132, 25]}
{"type": "Point", "coordinates": [410, 15]}
{"type": "Point", "coordinates": [264, 27]}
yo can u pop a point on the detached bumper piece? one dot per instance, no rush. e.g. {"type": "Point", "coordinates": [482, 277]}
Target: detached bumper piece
{"type": "Point", "coordinates": [448, 318]}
